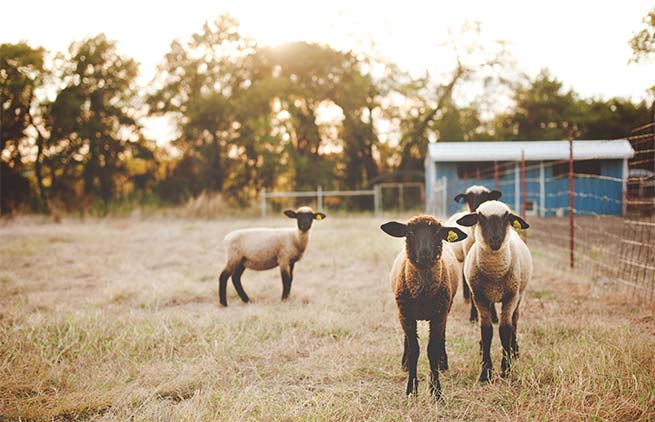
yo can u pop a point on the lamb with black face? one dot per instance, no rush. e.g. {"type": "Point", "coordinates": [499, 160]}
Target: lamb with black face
{"type": "Point", "coordinates": [498, 268]}
{"type": "Point", "coordinates": [424, 278]}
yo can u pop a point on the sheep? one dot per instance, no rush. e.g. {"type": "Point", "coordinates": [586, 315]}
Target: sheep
{"type": "Point", "coordinates": [265, 248]}
{"type": "Point", "coordinates": [473, 197]}
{"type": "Point", "coordinates": [424, 279]}
{"type": "Point", "coordinates": [497, 268]}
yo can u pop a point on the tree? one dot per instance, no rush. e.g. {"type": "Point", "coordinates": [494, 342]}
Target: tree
{"type": "Point", "coordinates": [197, 84]}
{"type": "Point", "coordinates": [643, 42]}
{"type": "Point", "coordinates": [434, 112]}
{"type": "Point", "coordinates": [90, 129]}
{"type": "Point", "coordinates": [21, 75]}
{"type": "Point", "coordinates": [542, 110]}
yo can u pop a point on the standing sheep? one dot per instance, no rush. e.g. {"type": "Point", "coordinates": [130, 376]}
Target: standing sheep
{"type": "Point", "coordinates": [473, 197]}
{"type": "Point", "coordinates": [264, 248]}
{"type": "Point", "coordinates": [498, 268]}
{"type": "Point", "coordinates": [424, 278]}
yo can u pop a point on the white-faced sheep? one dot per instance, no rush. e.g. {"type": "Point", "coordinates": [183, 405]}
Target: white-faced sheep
{"type": "Point", "coordinates": [472, 197]}
{"type": "Point", "coordinates": [424, 279]}
{"type": "Point", "coordinates": [265, 248]}
{"type": "Point", "coordinates": [498, 268]}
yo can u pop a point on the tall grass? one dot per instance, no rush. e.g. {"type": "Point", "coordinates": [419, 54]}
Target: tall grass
{"type": "Point", "coordinates": [120, 320]}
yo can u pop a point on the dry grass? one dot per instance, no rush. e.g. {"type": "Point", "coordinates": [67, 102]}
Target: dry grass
{"type": "Point", "coordinates": [119, 319]}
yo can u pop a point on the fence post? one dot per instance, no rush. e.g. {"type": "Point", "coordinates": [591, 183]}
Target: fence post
{"type": "Point", "coordinates": [319, 198]}
{"type": "Point", "coordinates": [376, 199]}
{"type": "Point", "coordinates": [517, 188]}
{"type": "Point", "coordinates": [496, 184]}
{"type": "Point", "coordinates": [571, 207]}
{"type": "Point", "coordinates": [542, 190]}
{"type": "Point", "coordinates": [401, 195]}
{"type": "Point", "coordinates": [523, 193]}
{"type": "Point", "coordinates": [263, 195]}
{"type": "Point", "coordinates": [523, 184]}
{"type": "Point", "coordinates": [444, 184]}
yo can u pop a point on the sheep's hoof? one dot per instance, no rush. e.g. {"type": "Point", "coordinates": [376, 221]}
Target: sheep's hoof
{"type": "Point", "coordinates": [485, 375]}
{"type": "Point", "coordinates": [412, 388]}
{"type": "Point", "coordinates": [223, 302]}
{"type": "Point", "coordinates": [435, 391]}
{"type": "Point", "coordinates": [515, 351]}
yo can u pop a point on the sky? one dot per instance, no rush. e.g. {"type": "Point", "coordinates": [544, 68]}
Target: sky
{"type": "Point", "coordinates": [584, 43]}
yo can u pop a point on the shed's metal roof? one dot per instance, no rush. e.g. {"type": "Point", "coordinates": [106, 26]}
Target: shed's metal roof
{"type": "Point", "coordinates": [534, 150]}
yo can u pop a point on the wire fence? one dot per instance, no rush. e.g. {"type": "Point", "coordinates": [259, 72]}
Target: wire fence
{"type": "Point", "coordinates": [594, 215]}
{"type": "Point", "coordinates": [385, 196]}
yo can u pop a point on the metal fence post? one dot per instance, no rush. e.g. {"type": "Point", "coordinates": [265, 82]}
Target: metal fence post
{"type": "Point", "coordinates": [571, 207]}
{"type": "Point", "coordinates": [496, 183]}
{"type": "Point", "coordinates": [263, 195]}
{"type": "Point", "coordinates": [401, 196]}
{"type": "Point", "coordinates": [517, 188]}
{"type": "Point", "coordinates": [319, 198]}
{"type": "Point", "coordinates": [444, 184]}
{"type": "Point", "coordinates": [376, 199]}
{"type": "Point", "coordinates": [524, 193]}
{"type": "Point", "coordinates": [542, 190]}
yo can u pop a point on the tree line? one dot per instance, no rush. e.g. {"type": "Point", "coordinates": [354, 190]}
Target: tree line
{"type": "Point", "coordinates": [249, 117]}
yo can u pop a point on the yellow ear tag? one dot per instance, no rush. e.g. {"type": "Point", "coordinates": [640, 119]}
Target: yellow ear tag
{"type": "Point", "coordinates": [517, 225]}
{"type": "Point", "coordinates": [318, 217]}
{"type": "Point", "coordinates": [452, 236]}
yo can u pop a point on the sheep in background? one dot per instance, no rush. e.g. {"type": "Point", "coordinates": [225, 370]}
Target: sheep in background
{"type": "Point", "coordinates": [265, 248]}
{"type": "Point", "coordinates": [498, 268]}
{"type": "Point", "coordinates": [473, 197]}
{"type": "Point", "coordinates": [424, 278]}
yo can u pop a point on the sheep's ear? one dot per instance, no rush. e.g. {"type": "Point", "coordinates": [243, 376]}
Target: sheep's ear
{"type": "Point", "coordinates": [452, 234]}
{"type": "Point", "coordinates": [494, 195]}
{"type": "Point", "coordinates": [517, 222]}
{"type": "Point", "coordinates": [291, 214]}
{"type": "Point", "coordinates": [395, 229]}
{"type": "Point", "coordinates": [468, 220]}
{"type": "Point", "coordinates": [459, 197]}
{"type": "Point", "coordinates": [319, 216]}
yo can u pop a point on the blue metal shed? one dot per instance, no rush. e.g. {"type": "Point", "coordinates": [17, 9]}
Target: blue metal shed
{"type": "Point", "coordinates": [600, 169]}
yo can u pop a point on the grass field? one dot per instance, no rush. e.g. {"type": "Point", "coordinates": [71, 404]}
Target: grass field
{"type": "Point", "coordinates": [119, 319]}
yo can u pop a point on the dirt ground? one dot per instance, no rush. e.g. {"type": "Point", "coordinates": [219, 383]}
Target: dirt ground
{"type": "Point", "coordinates": [118, 319]}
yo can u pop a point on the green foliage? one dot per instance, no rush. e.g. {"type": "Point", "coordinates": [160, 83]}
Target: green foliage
{"type": "Point", "coordinates": [544, 110]}
{"type": "Point", "coordinates": [290, 117]}
{"type": "Point", "coordinates": [643, 42]}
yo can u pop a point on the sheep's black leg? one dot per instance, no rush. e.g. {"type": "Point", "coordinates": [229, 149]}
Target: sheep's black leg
{"type": "Point", "coordinates": [515, 344]}
{"type": "Point", "coordinates": [435, 349]}
{"type": "Point", "coordinates": [486, 334]}
{"type": "Point", "coordinates": [286, 283]}
{"type": "Point", "coordinates": [507, 331]}
{"type": "Point", "coordinates": [404, 363]}
{"type": "Point", "coordinates": [473, 316]}
{"type": "Point", "coordinates": [291, 265]}
{"type": "Point", "coordinates": [236, 280]}
{"type": "Point", "coordinates": [409, 327]}
{"type": "Point", "coordinates": [222, 287]}
{"type": "Point", "coordinates": [465, 289]}
{"type": "Point", "coordinates": [494, 315]}
{"type": "Point", "coordinates": [443, 360]}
